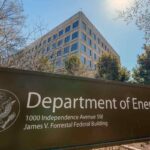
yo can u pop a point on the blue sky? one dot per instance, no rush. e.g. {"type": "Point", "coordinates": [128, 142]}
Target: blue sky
{"type": "Point", "coordinates": [127, 40]}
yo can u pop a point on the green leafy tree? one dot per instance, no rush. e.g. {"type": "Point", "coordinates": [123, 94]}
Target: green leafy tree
{"type": "Point", "coordinates": [124, 74]}
{"type": "Point", "coordinates": [73, 65]}
{"type": "Point", "coordinates": [141, 74]}
{"type": "Point", "coordinates": [109, 68]}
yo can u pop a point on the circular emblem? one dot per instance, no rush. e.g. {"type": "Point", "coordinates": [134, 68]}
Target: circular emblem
{"type": "Point", "coordinates": [9, 109]}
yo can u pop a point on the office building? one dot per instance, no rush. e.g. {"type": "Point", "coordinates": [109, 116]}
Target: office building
{"type": "Point", "coordinates": [75, 36]}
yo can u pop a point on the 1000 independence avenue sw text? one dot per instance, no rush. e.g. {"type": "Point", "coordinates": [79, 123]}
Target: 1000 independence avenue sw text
{"type": "Point", "coordinates": [57, 103]}
{"type": "Point", "coordinates": [39, 122]}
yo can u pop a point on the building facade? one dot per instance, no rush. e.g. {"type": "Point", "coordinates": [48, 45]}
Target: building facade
{"type": "Point", "coordinates": [76, 36]}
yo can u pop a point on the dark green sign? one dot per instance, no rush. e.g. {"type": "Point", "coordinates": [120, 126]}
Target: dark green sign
{"type": "Point", "coordinates": [48, 111]}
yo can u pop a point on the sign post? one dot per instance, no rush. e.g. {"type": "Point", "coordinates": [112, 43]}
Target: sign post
{"type": "Point", "coordinates": [48, 111]}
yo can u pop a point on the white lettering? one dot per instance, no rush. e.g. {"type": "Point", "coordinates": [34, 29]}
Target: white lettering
{"type": "Point", "coordinates": [29, 100]}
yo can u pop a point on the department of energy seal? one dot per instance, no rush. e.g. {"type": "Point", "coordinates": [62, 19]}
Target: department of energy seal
{"type": "Point", "coordinates": [9, 109]}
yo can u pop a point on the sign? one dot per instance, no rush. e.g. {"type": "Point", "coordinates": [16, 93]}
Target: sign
{"type": "Point", "coordinates": [48, 111]}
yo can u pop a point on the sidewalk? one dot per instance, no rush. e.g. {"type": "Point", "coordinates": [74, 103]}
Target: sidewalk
{"type": "Point", "coordinates": [135, 146]}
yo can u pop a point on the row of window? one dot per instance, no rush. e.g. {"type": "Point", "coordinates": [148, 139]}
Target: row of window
{"type": "Point", "coordinates": [63, 31]}
{"type": "Point", "coordinates": [89, 31]}
{"type": "Point", "coordinates": [60, 33]}
{"type": "Point", "coordinates": [74, 47]}
{"type": "Point", "coordinates": [66, 50]}
{"type": "Point", "coordinates": [74, 36]}
{"type": "Point", "coordinates": [59, 63]}
{"type": "Point", "coordinates": [88, 63]}
{"type": "Point", "coordinates": [93, 35]}
{"type": "Point", "coordinates": [89, 52]}
{"type": "Point", "coordinates": [62, 41]}
{"type": "Point", "coordinates": [89, 42]}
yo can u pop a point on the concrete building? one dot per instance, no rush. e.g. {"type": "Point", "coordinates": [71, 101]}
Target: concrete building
{"type": "Point", "coordinates": [76, 36]}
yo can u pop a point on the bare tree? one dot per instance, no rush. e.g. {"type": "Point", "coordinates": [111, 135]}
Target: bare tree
{"type": "Point", "coordinates": [11, 24]}
{"type": "Point", "coordinates": [38, 29]}
{"type": "Point", "coordinates": [15, 42]}
{"type": "Point", "coordinates": [42, 63]}
{"type": "Point", "coordinates": [139, 13]}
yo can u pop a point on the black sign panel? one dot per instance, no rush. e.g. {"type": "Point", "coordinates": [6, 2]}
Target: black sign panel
{"type": "Point", "coordinates": [48, 111]}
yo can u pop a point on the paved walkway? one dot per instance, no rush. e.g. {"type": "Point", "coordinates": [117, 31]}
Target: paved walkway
{"type": "Point", "coordinates": [134, 146]}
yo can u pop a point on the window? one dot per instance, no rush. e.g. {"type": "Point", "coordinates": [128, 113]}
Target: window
{"type": "Point", "coordinates": [58, 63]}
{"type": "Point", "coordinates": [51, 56]}
{"type": "Point", "coordinates": [89, 42]}
{"type": "Point", "coordinates": [66, 50]}
{"type": "Point", "coordinates": [99, 41]}
{"type": "Point", "coordinates": [89, 53]}
{"type": "Point", "coordinates": [49, 39]}
{"type": "Point", "coordinates": [44, 51]}
{"type": "Point", "coordinates": [75, 24]}
{"type": "Point", "coordinates": [54, 45]}
{"type": "Point", "coordinates": [59, 53]}
{"type": "Point", "coordinates": [54, 36]}
{"type": "Point", "coordinates": [94, 36]}
{"type": "Point", "coordinates": [74, 47]}
{"type": "Point", "coordinates": [67, 29]}
{"type": "Point", "coordinates": [83, 36]}
{"type": "Point", "coordinates": [48, 48]}
{"type": "Point", "coordinates": [67, 39]}
{"type": "Point", "coordinates": [95, 47]}
{"type": "Point", "coordinates": [60, 42]}
{"type": "Point", "coordinates": [40, 45]}
{"type": "Point", "coordinates": [89, 31]}
{"type": "Point", "coordinates": [95, 66]}
{"type": "Point", "coordinates": [83, 26]}
{"type": "Point", "coordinates": [99, 50]}
{"type": "Point", "coordinates": [95, 57]}
{"type": "Point", "coordinates": [83, 59]}
{"type": "Point", "coordinates": [44, 42]}
{"type": "Point", "coordinates": [61, 32]}
{"type": "Point", "coordinates": [83, 48]}
{"type": "Point", "coordinates": [89, 64]}
{"type": "Point", "coordinates": [75, 35]}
